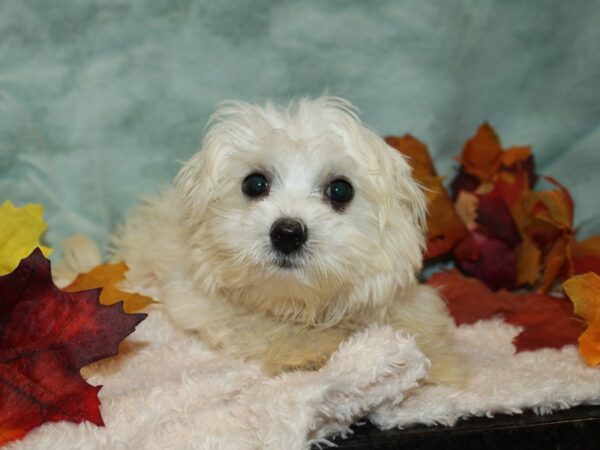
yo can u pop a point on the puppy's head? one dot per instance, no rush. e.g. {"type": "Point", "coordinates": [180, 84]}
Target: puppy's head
{"type": "Point", "coordinates": [301, 211]}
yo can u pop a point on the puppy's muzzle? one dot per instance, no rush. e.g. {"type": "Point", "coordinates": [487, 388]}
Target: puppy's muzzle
{"type": "Point", "coordinates": [288, 235]}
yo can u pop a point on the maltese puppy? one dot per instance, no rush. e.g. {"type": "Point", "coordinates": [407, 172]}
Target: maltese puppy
{"type": "Point", "coordinates": [292, 228]}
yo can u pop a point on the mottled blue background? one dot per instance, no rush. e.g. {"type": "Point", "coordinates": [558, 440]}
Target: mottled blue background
{"type": "Point", "coordinates": [100, 99]}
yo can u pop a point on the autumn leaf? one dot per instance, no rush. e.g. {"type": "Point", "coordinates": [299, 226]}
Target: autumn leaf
{"type": "Point", "coordinates": [528, 262]}
{"type": "Point", "coordinates": [491, 260]}
{"type": "Point", "coordinates": [519, 160]}
{"type": "Point", "coordinates": [547, 321]}
{"type": "Point", "coordinates": [548, 213]}
{"type": "Point", "coordinates": [516, 157]}
{"type": "Point", "coordinates": [584, 292]}
{"type": "Point", "coordinates": [586, 256]}
{"type": "Point", "coordinates": [106, 277]}
{"type": "Point", "coordinates": [417, 153]}
{"type": "Point", "coordinates": [468, 299]}
{"type": "Point", "coordinates": [482, 154]}
{"type": "Point", "coordinates": [20, 231]}
{"type": "Point", "coordinates": [495, 219]}
{"type": "Point", "coordinates": [444, 227]}
{"type": "Point", "coordinates": [46, 337]}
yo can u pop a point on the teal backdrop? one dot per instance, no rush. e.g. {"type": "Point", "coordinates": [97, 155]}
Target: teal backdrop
{"type": "Point", "coordinates": [100, 101]}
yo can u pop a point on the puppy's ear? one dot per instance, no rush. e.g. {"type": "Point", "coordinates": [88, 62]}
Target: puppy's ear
{"type": "Point", "coordinates": [410, 193]}
{"type": "Point", "coordinates": [195, 185]}
{"type": "Point", "coordinates": [408, 197]}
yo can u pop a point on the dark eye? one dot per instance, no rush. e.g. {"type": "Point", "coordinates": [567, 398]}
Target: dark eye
{"type": "Point", "coordinates": [255, 185]}
{"type": "Point", "coordinates": [339, 192]}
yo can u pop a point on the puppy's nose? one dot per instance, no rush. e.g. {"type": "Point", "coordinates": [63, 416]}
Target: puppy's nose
{"type": "Point", "coordinates": [288, 235]}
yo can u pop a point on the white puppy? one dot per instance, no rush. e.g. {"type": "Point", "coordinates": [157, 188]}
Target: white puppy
{"type": "Point", "coordinates": [290, 229]}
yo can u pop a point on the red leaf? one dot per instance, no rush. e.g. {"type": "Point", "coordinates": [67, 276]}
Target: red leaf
{"type": "Point", "coordinates": [490, 260]}
{"type": "Point", "coordinates": [495, 219]}
{"type": "Point", "coordinates": [46, 337]}
{"type": "Point", "coordinates": [547, 321]}
{"type": "Point", "coordinates": [468, 299]}
{"type": "Point", "coordinates": [463, 181]}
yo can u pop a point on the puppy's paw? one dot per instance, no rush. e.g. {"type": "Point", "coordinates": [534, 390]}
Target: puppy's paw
{"type": "Point", "coordinates": [278, 362]}
{"type": "Point", "coordinates": [307, 350]}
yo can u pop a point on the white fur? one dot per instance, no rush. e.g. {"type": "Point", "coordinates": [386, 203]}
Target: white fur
{"type": "Point", "coordinates": [203, 247]}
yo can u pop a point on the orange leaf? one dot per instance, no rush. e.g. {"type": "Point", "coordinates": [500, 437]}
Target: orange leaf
{"type": "Point", "coordinates": [444, 227]}
{"type": "Point", "coordinates": [584, 292]}
{"type": "Point", "coordinates": [512, 186]}
{"type": "Point", "coordinates": [586, 256]}
{"type": "Point", "coordinates": [515, 155]}
{"type": "Point", "coordinates": [550, 212]}
{"type": "Point", "coordinates": [558, 262]}
{"type": "Point", "coordinates": [528, 262]}
{"type": "Point", "coordinates": [106, 276]}
{"type": "Point", "coordinates": [419, 158]}
{"type": "Point", "coordinates": [482, 154]}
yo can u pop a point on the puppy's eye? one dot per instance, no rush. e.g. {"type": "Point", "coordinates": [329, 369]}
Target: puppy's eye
{"type": "Point", "coordinates": [255, 185]}
{"type": "Point", "coordinates": [340, 192]}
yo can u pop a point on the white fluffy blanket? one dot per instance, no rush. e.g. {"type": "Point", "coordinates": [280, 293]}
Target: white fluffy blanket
{"type": "Point", "coordinates": [166, 389]}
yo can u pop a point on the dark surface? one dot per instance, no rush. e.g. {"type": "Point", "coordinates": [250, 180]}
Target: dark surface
{"type": "Point", "coordinates": [575, 428]}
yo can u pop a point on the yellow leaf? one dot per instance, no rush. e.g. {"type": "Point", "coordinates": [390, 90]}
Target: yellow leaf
{"type": "Point", "coordinates": [20, 231]}
{"type": "Point", "coordinates": [106, 277]}
{"type": "Point", "coordinates": [584, 292]}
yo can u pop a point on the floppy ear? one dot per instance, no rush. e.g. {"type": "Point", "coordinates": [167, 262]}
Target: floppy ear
{"type": "Point", "coordinates": [198, 181]}
{"type": "Point", "coordinates": [408, 196]}
{"type": "Point", "coordinates": [410, 193]}
{"type": "Point", "coordinates": [195, 185]}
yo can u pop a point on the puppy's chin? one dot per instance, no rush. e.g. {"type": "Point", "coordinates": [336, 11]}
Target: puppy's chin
{"type": "Point", "coordinates": [288, 264]}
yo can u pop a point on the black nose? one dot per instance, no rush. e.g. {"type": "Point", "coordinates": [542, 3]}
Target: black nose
{"type": "Point", "coordinates": [288, 235]}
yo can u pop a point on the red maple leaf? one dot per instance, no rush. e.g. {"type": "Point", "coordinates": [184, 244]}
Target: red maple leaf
{"type": "Point", "coordinates": [547, 321]}
{"type": "Point", "coordinates": [468, 299]}
{"type": "Point", "coordinates": [46, 337]}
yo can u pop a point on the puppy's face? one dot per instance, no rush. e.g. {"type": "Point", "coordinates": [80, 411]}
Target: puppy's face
{"type": "Point", "coordinates": [300, 210]}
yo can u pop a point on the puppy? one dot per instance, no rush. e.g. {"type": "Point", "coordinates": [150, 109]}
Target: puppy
{"type": "Point", "coordinates": [292, 228]}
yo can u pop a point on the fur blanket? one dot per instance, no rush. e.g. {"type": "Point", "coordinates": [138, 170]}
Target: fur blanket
{"type": "Point", "coordinates": [166, 389]}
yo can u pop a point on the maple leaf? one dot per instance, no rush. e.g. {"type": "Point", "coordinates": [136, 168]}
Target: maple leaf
{"type": "Point", "coordinates": [46, 337]}
{"type": "Point", "coordinates": [519, 160]}
{"type": "Point", "coordinates": [584, 292]}
{"type": "Point", "coordinates": [482, 154]}
{"type": "Point", "coordinates": [495, 219]}
{"type": "Point", "coordinates": [586, 256]}
{"type": "Point", "coordinates": [547, 321]}
{"type": "Point", "coordinates": [106, 277]}
{"type": "Point", "coordinates": [490, 260]}
{"type": "Point", "coordinates": [444, 226]}
{"type": "Point", "coordinates": [468, 299]}
{"type": "Point", "coordinates": [20, 231]}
